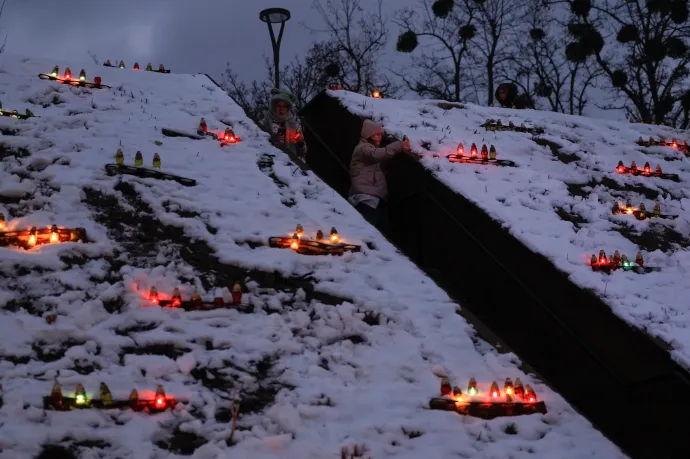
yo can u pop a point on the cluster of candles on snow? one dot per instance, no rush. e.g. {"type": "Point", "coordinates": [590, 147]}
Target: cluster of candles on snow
{"type": "Point", "coordinates": [67, 76]}
{"type": "Point", "coordinates": [510, 391]}
{"type": "Point", "coordinates": [138, 159]}
{"type": "Point", "coordinates": [218, 300]}
{"type": "Point", "coordinates": [33, 232]}
{"type": "Point", "coordinates": [647, 169]}
{"type": "Point", "coordinates": [105, 396]}
{"type": "Point", "coordinates": [629, 209]}
{"type": "Point", "coordinates": [662, 141]}
{"type": "Point", "coordinates": [616, 261]}
{"type": "Point", "coordinates": [149, 67]}
{"type": "Point", "coordinates": [486, 153]}
{"type": "Point", "coordinates": [299, 234]}
{"type": "Point", "coordinates": [228, 135]}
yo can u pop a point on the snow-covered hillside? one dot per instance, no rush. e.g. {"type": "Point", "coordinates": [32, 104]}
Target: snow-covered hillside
{"type": "Point", "coordinates": [559, 199]}
{"type": "Point", "coordinates": [351, 362]}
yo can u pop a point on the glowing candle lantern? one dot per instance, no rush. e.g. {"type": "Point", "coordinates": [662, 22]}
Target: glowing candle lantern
{"type": "Point", "coordinates": [376, 94]}
{"type": "Point", "coordinates": [593, 261]}
{"type": "Point", "coordinates": [643, 210]}
{"type": "Point", "coordinates": [202, 126]}
{"type": "Point", "coordinates": [55, 71]}
{"type": "Point", "coordinates": [472, 387]}
{"type": "Point", "coordinates": [160, 397]}
{"type": "Point", "coordinates": [519, 390]}
{"type": "Point", "coordinates": [2, 221]}
{"type": "Point", "coordinates": [493, 391]}
{"type": "Point", "coordinates": [138, 159]}
{"type": "Point", "coordinates": [446, 388]}
{"type": "Point", "coordinates": [616, 258]}
{"type": "Point", "coordinates": [647, 168]}
{"type": "Point", "coordinates": [68, 74]}
{"type": "Point", "coordinates": [457, 393]}
{"type": "Point", "coordinates": [97, 81]}
{"type": "Point", "coordinates": [639, 260]}
{"type": "Point", "coordinates": [236, 293]}
{"type": "Point", "coordinates": [229, 135]}
{"type": "Point", "coordinates": [485, 152]}
{"type": "Point", "coordinates": [633, 166]}
{"type": "Point", "coordinates": [153, 295]}
{"type": "Point", "coordinates": [335, 238]}
{"type": "Point", "coordinates": [56, 396]}
{"type": "Point", "coordinates": [492, 152]}
{"type": "Point", "coordinates": [54, 236]}
{"type": "Point", "coordinates": [621, 167]}
{"type": "Point", "coordinates": [299, 230]}
{"type": "Point", "coordinates": [657, 210]}
{"type": "Point", "coordinates": [133, 398]}
{"type": "Point", "coordinates": [149, 67]}
{"type": "Point", "coordinates": [156, 161]}
{"type": "Point", "coordinates": [105, 395]}
{"type": "Point", "coordinates": [658, 170]}
{"type": "Point", "coordinates": [196, 300]}
{"type": "Point", "coordinates": [119, 157]}
{"type": "Point", "coordinates": [319, 235]}
{"type": "Point", "coordinates": [176, 298]}
{"type": "Point", "coordinates": [674, 143]}
{"type": "Point", "coordinates": [628, 205]}
{"type": "Point", "coordinates": [82, 75]}
{"type": "Point", "coordinates": [294, 245]}
{"type": "Point", "coordinates": [460, 150]}
{"type": "Point", "coordinates": [136, 66]}
{"type": "Point", "coordinates": [80, 395]}
{"type": "Point", "coordinates": [530, 395]}
{"type": "Point", "coordinates": [32, 236]}
{"type": "Point", "coordinates": [602, 257]}
{"type": "Point", "coordinates": [122, 64]}
{"type": "Point", "coordinates": [218, 300]}
{"type": "Point", "coordinates": [473, 151]}
{"type": "Point", "coordinates": [508, 387]}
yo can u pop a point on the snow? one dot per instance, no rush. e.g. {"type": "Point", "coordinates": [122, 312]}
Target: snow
{"type": "Point", "coordinates": [331, 391]}
{"type": "Point", "coordinates": [526, 199]}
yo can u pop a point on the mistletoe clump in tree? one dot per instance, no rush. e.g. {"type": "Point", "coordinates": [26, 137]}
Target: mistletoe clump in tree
{"type": "Point", "coordinates": [648, 61]}
{"type": "Point", "coordinates": [446, 30]}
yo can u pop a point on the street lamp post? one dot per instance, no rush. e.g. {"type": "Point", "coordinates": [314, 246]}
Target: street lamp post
{"type": "Point", "coordinates": [275, 16]}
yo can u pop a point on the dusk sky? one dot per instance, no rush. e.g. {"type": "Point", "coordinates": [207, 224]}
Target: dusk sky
{"type": "Point", "coordinates": [187, 36]}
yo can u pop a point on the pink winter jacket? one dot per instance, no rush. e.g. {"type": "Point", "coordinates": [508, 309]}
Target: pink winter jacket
{"type": "Point", "coordinates": [366, 175]}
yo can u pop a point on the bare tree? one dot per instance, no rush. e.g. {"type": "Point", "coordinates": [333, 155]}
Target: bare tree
{"type": "Point", "coordinates": [446, 30]}
{"type": "Point", "coordinates": [93, 57]}
{"type": "Point", "coordinates": [649, 65]}
{"type": "Point", "coordinates": [304, 77]}
{"type": "Point", "coordinates": [563, 84]}
{"type": "Point", "coordinates": [499, 26]}
{"type": "Point", "coordinates": [252, 98]}
{"type": "Point", "coordinates": [4, 42]}
{"type": "Point", "coordinates": [356, 40]}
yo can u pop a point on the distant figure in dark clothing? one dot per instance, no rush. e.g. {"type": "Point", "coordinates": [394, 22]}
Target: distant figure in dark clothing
{"type": "Point", "coordinates": [507, 96]}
